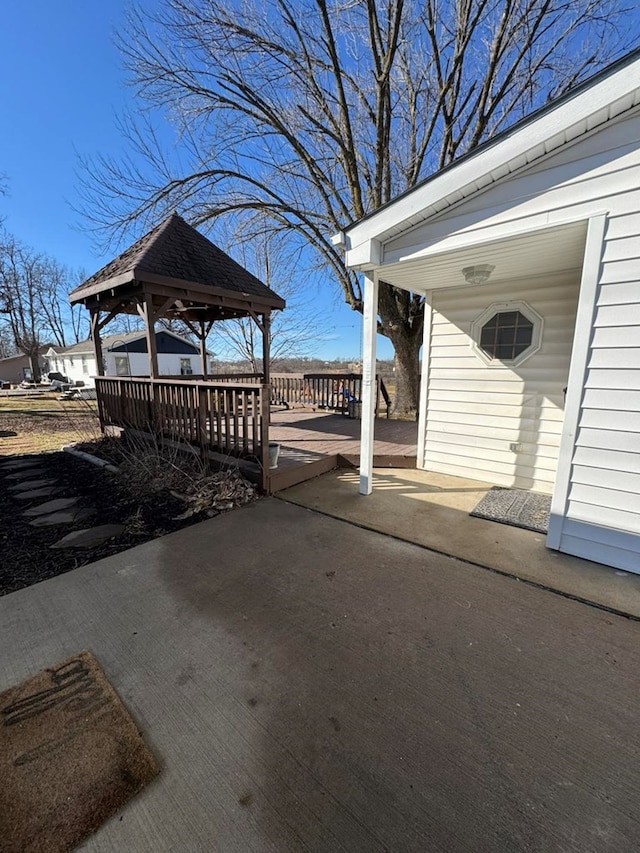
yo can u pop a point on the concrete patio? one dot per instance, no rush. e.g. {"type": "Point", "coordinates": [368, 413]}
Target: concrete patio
{"type": "Point", "coordinates": [307, 684]}
{"type": "Point", "coordinates": [432, 510]}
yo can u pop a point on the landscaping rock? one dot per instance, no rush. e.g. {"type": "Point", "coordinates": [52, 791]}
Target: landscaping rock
{"type": "Point", "coordinates": [26, 473]}
{"type": "Point", "coordinates": [68, 516]}
{"type": "Point", "coordinates": [55, 505]}
{"type": "Point", "coordinates": [37, 493]}
{"type": "Point", "coordinates": [90, 536]}
{"type": "Point", "coordinates": [31, 484]}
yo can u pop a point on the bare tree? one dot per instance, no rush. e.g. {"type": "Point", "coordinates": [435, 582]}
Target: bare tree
{"type": "Point", "coordinates": [7, 344]}
{"type": "Point", "coordinates": [21, 272]}
{"type": "Point", "coordinates": [34, 304]}
{"type": "Point", "coordinates": [53, 304]}
{"type": "Point", "coordinates": [78, 320]}
{"type": "Point", "coordinates": [297, 330]}
{"type": "Point", "coordinates": [316, 112]}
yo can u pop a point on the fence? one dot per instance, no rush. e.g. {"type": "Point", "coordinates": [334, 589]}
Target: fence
{"type": "Point", "coordinates": [230, 418]}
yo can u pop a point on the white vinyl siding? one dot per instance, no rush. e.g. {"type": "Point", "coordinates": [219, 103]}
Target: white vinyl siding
{"type": "Point", "coordinates": [603, 508]}
{"type": "Point", "coordinates": [499, 423]}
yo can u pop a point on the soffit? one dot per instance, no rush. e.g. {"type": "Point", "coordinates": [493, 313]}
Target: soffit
{"type": "Point", "coordinates": [541, 253]}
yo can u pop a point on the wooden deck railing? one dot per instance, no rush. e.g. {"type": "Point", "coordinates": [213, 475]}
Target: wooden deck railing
{"type": "Point", "coordinates": [318, 390]}
{"type": "Point", "coordinates": [325, 391]}
{"type": "Point", "coordinates": [229, 418]}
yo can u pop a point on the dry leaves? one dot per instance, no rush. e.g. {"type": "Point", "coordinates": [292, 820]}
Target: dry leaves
{"type": "Point", "coordinates": [216, 493]}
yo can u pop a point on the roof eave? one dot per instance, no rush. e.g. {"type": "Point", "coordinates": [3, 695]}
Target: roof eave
{"type": "Point", "coordinates": [265, 300]}
{"type": "Point", "coordinates": [83, 292]}
{"type": "Point", "coordinates": [604, 91]}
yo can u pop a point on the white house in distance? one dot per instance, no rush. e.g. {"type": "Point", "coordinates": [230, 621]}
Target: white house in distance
{"type": "Point", "coordinates": [527, 251]}
{"type": "Point", "coordinates": [126, 355]}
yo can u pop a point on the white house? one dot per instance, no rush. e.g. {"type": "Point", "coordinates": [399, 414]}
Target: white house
{"type": "Point", "coordinates": [527, 251]}
{"type": "Point", "coordinates": [126, 355]}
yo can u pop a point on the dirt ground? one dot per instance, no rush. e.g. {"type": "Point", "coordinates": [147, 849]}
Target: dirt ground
{"type": "Point", "coordinates": [42, 422]}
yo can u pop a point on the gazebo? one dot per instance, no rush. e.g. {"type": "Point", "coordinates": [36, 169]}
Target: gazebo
{"type": "Point", "coordinates": [175, 272]}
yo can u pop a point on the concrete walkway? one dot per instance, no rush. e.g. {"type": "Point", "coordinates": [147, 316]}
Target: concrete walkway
{"type": "Point", "coordinates": [432, 510]}
{"type": "Point", "coordinates": [309, 685]}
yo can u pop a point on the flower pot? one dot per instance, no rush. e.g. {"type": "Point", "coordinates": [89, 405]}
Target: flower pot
{"type": "Point", "coordinates": [274, 453]}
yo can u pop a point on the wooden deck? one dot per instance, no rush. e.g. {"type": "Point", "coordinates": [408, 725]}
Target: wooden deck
{"type": "Point", "coordinates": [232, 419]}
{"type": "Point", "coordinates": [316, 442]}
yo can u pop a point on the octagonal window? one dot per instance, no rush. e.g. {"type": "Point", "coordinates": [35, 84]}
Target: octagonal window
{"type": "Point", "coordinates": [506, 335]}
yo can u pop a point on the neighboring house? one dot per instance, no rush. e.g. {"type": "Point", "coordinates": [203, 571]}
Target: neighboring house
{"type": "Point", "coordinates": [126, 355]}
{"type": "Point", "coordinates": [528, 253]}
{"type": "Point", "coordinates": [17, 368]}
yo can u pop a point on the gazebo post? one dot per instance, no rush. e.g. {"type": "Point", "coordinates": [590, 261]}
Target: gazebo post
{"type": "Point", "coordinates": [266, 348]}
{"type": "Point", "coordinates": [203, 349]}
{"type": "Point", "coordinates": [150, 329]}
{"type": "Point", "coordinates": [97, 342]}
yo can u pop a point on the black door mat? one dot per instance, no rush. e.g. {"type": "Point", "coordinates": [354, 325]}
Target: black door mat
{"type": "Point", "coordinates": [515, 507]}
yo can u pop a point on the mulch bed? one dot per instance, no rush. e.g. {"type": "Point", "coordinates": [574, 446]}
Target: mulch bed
{"type": "Point", "coordinates": [26, 555]}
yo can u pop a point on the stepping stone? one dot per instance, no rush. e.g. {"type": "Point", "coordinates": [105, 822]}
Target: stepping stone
{"type": "Point", "coordinates": [31, 484]}
{"type": "Point", "coordinates": [19, 464]}
{"type": "Point", "coordinates": [90, 536]}
{"type": "Point", "coordinates": [28, 472]}
{"type": "Point", "coordinates": [45, 492]}
{"type": "Point", "coordinates": [65, 517]}
{"type": "Point", "coordinates": [55, 505]}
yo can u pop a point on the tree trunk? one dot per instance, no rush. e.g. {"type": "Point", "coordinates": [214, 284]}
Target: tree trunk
{"type": "Point", "coordinates": [34, 361]}
{"type": "Point", "coordinates": [407, 374]}
{"type": "Point", "coordinates": [401, 320]}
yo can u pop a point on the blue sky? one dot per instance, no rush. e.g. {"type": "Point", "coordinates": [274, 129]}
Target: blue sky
{"type": "Point", "coordinates": [63, 88]}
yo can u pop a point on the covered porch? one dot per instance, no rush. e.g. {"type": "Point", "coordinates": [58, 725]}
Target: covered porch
{"type": "Point", "coordinates": [500, 318]}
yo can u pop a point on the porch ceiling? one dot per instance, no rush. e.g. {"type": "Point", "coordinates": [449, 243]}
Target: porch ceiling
{"type": "Point", "coordinates": [536, 253]}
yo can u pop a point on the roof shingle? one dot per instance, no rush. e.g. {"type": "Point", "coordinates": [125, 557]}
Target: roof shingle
{"type": "Point", "coordinates": [174, 249]}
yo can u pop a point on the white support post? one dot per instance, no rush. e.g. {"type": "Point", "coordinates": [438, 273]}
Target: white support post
{"type": "Point", "coordinates": [424, 381]}
{"type": "Point", "coordinates": [588, 294]}
{"type": "Point", "coordinates": [370, 325]}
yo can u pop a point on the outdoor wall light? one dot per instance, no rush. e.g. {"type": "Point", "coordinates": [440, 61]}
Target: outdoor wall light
{"type": "Point", "coordinates": [477, 274]}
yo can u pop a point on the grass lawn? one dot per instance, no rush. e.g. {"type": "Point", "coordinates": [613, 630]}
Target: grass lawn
{"type": "Point", "coordinates": [39, 423]}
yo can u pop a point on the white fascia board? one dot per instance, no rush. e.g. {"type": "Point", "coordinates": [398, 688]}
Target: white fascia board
{"type": "Point", "coordinates": [553, 123]}
{"type": "Point", "coordinates": [365, 257]}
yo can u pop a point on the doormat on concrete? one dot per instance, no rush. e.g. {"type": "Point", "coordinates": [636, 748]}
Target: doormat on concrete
{"type": "Point", "coordinates": [70, 757]}
{"type": "Point", "coordinates": [515, 507]}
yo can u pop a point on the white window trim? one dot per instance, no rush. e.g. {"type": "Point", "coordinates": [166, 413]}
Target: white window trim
{"type": "Point", "coordinates": [497, 308]}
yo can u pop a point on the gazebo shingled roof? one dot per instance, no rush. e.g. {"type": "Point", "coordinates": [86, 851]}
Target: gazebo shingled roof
{"type": "Point", "coordinates": [174, 271]}
{"type": "Point", "coordinates": [174, 253]}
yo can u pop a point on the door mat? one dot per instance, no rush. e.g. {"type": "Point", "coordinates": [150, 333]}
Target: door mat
{"type": "Point", "coordinates": [70, 757]}
{"type": "Point", "coordinates": [516, 507]}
